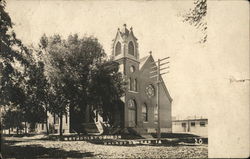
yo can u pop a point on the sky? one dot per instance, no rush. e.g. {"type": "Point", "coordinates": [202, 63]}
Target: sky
{"type": "Point", "coordinates": [156, 24]}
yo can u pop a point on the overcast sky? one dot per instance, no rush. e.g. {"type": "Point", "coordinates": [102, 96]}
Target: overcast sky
{"type": "Point", "coordinates": [194, 71]}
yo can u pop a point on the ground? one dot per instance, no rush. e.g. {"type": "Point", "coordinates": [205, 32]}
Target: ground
{"type": "Point", "coordinates": [14, 147]}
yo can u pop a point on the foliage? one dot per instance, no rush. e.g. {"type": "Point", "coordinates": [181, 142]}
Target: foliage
{"type": "Point", "coordinates": [71, 61]}
{"type": "Point", "coordinates": [196, 17]}
{"type": "Point", "coordinates": [12, 52]}
{"type": "Point", "coordinates": [22, 80]}
{"type": "Point", "coordinates": [12, 118]}
{"type": "Point", "coordinates": [106, 87]}
{"type": "Point", "coordinates": [36, 96]}
{"type": "Point", "coordinates": [80, 75]}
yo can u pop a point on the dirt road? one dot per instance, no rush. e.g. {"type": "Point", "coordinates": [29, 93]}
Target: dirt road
{"type": "Point", "coordinates": [34, 148]}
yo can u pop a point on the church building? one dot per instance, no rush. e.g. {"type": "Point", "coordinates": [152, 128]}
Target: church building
{"type": "Point", "coordinates": [140, 110]}
{"type": "Point", "coordinates": [137, 109]}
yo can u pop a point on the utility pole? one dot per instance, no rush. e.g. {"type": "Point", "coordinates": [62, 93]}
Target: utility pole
{"type": "Point", "coordinates": [157, 69]}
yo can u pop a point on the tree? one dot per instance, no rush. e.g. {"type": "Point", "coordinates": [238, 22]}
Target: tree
{"type": "Point", "coordinates": [8, 119]}
{"type": "Point", "coordinates": [12, 52]}
{"type": "Point", "coordinates": [12, 118]}
{"type": "Point", "coordinates": [36, 94]}
{"type": "Point", "coordinates": [196, 17]}
{"type": "Point", "coordinates": [56, 75]}
{"type": "Point", "coordinates": [106, 88]}
{"type": "Point", "coordinates": [76, 66]}
{"type": "Point", "coordinates": [13, 63]}
{"type": "Point", "coordinates": [22, 77]}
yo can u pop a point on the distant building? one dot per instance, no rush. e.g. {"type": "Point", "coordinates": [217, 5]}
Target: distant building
{"type": "Point", "coordinates": [40, 128]}
{"type": "Point", "coordinates": [193, 126]}
{"type": "Point", "coordinates": [53, 125]}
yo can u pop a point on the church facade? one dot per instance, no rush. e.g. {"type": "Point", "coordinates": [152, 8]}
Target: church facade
{"type": "Point", "coordinates": [140, 109]}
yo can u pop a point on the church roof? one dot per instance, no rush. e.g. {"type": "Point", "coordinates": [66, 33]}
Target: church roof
{"type": "Point", "coordinates": [124, 32]}
{"type": "Point", "coordinates": [142, 63]}
{"type": "Point", "coordinates": [143, 60]}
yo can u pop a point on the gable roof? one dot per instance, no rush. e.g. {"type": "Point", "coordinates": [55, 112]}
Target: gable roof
{"type": "Point", "coordinates": [143, 62]}
{"type": "Point", "coordinates": [166, 90]}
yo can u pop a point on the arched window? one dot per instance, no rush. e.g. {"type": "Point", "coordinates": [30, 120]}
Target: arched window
{"type": "Point", "coordinates": [132, 113]}
{"type": "Point", "coordinates": [131, 49]}
{"type": "Point", "coordinates": [132, 104]}
{"type": "Point", "coordinates": [135, 85]}
{"type": "Point", "coordinates": [132, 68]}
{"type": "Point", "coordinates": [144, 112]}
{"type": "Point", "coordinates": [118, 48]}
{"type": "Point", "coordinates": [129, 84]}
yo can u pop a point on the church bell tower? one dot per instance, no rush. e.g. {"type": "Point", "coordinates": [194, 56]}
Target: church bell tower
{"type": "Point", "coordinates": [125, 52]}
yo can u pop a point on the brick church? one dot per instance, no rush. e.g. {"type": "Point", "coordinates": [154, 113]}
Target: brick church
{"type": "Point", "coordinates": [140, 110]}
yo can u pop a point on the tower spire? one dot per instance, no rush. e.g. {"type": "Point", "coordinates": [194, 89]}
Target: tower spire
{"type": "Point", "coordinates": [125, 44]}
{"type": "Point", "coordinates": [124, 30]}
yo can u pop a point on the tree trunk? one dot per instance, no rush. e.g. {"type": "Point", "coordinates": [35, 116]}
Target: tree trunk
{"type": "Point", "coordinates": [25, 127]}
{"type": "Point", "coordinates": [17, 130]}
{"type": "Point", "coordinates": [47, 126]}
{"type": "Point", "coordinates": [61, 125]}
{"type": "Point", "coordinates": [9, 131]}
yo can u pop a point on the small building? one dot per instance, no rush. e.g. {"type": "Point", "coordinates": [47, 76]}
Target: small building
{"type": "Point", "coordinates": [53, 125]}
{"type": "Point", "coordinates": [193, 126]}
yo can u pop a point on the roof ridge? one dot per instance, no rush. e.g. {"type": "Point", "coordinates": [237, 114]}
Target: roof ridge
{"type": "Point", "coordinates": [143, 58]}
{"type": "Point", "coordinates": [143, 61]}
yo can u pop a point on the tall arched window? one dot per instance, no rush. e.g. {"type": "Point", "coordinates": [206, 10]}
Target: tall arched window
{"type": "Point", "coordinates": [129, 84]}
{"type": "Point", "coordinates": [135, 85]}
{"type": "Point", "coordinates": [118, 48]}
{"type": "Point", "coordinates": [132, 104]}
{"type": "Point", "coordinates": [144, 112]}
{"type": "Point", "coordinates": [132, 113]}
{"type": "Point", "coordinates": [131, 49]}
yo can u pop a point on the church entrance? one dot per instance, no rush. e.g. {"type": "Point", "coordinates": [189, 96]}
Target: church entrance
{"type": "Point", "coordinates": [131, 113]}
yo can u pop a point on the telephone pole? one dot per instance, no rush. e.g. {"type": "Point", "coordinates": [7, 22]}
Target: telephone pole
{"type": "Point", "coordinates": [157, 71]}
